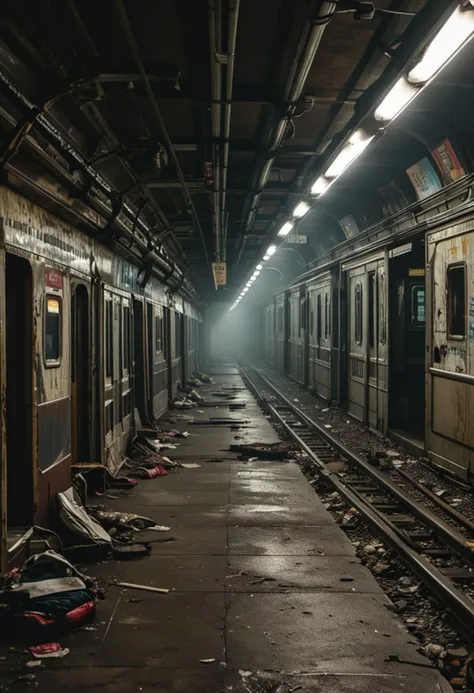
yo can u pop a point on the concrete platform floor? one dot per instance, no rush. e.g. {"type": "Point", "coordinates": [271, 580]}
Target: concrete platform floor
{"type": "Point", "coordinates": [263, 583]}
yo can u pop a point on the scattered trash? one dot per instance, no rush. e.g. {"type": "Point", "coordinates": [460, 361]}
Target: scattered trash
{"type": "Point", "coordinates": [29, 679]}
{"type": "Point", "coordinates": [159, 528]}
{"type": "Point", "coordinates": [327, 426]}
{"type": "Point", "coordinates": [325, 409]}
{"type": "Point", "coordinates": [113, 518]}
{"type": "Point", "coordinates": [392, 453]}
{"type": "Point", "coordinates": [380, 568]}
{"type": "Point", "coordinates": [48, 651]}
{"type": "Point", "coordinates": [351, 518]}
{"type": "Point", "coordinates": [32, 664]}
{"type": "Point", "coordinates": [190, 465]}
{"type": "Point", "coordinates": [131, 551]}
{"type": "Point", "coordinates": [432, 651]}
{"type": "Point", "coordinates": [145, 588]}
{"type": "Point", "coordinates": [207, 661]}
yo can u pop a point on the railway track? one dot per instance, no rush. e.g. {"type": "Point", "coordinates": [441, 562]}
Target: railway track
{"type": "Point", "coordinates": [438, 553]}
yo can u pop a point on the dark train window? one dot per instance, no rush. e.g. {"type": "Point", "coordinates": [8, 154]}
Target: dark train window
{"type": "Point", "coordinates": [358, 313]}
{"type": "Point", "coordinates": [372, 309]}
{"type": "Point", "coordinates": [326, 316]}
{"type": "Point", "coordinates": [177, 335]}
{"type": "Point", "coordinates": [52, 330]}
{"type": "Point", "coordinates": [457, 301]}
{"type": "Point", "coordinates": [381, 302]}
{"type": "Point", "coordinates": [108, 339]}
{"type": "Point", "coordinates": [126, 339]}
{"type": "Point", "coordinates": [311, 321]}
{"type": "Point", "coordinates": [280, 319]}
{"type": "Point", "coordinates": [158, 336]}
{"type": "Point", "coordinates": [318, 318]}
{"type": "Point", "coordinates": [418, 306]}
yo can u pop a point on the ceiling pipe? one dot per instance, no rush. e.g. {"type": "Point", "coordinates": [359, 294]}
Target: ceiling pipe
{"type": "Point", "coordinates": [309, 43]}
{"type": "Point", "coordinates": [234, 7]}
{"type": "Point", "coordinates": [127, 29]}
{"type": "Point", "coordinates": [215, 45]}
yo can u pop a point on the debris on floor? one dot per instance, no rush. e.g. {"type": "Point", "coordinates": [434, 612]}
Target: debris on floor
{"type": "Point", "coordinates": [267, 451]}
{"type": "Point", "coordinates": [46, 598]}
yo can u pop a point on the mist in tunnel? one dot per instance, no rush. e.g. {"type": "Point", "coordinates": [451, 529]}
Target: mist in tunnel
{"type": "Point", "coordinates": [231, 335]}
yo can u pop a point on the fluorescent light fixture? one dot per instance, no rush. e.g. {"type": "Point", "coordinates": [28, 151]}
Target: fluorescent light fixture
{"type": "Point", "coordinates": [396, 100]}
{"type": "Point", "coordinates": [266, 257]}
{"type": "Point", "coordinates": [248, 283]}
{"type": "Point", "coordinates": [245, 290]}
{"type": "Point", "coordinates": [320, 185]}
{"type": "Point", "coordinates": [449, 39]}
{"type": "Point", "coordinates": [271, 250]}
{"type": "Point", "coordinates": [356, 144]}
{"type": "Point", "coordinates": [256, 273]}
{"type": "Point", "coordinates": [285, 229]}
{"type": "Point", "coordinates": [300, 210]}
{"type": "Point", "coordinates": [259, 267]}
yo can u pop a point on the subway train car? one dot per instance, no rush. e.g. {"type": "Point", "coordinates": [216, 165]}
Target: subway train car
{"type": "Point", "coordinates": [89, 353]}
{"type": "Point", "coordinates": [385, 329]}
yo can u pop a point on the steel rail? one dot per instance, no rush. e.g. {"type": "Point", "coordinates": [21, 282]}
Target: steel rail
{"type": "Point", "coordinates": [450, 536]}
{"type": "Point", "coordinates": [461, 606]}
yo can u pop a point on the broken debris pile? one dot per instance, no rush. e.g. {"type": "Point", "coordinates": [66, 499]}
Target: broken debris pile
{"type": "Point", "coordinates": [46, 598]}
{"type": "Point", "coordinates": [266, 451]}
{"type": "Point", "coordinates": [145, 461]}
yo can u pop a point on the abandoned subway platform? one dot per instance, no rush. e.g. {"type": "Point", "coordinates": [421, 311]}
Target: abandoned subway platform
{"type": "Point", "coordinates": [265, 591]}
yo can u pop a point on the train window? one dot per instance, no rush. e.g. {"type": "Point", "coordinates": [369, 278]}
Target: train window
{"type": "Point", "coordinates": [418, 306]}
{"type": "Point", "coordinates": [311, 321]}
{"type": "Point", "coordinates": [326, 316]}
{"type": "Point", "coordinates": [108, 339]}
{"type": "Point", "coordinates": [126, 338]}
{"type": "Point", "coordinates": [52, 330]}
{"type": "Point", "coordinates": [457, 301]}
{"type": "Point", "coordinates": [358, 313]}
{"type": "Point", "coordinates": [382, 320]}
{"type": "Point", "coordinates": [318, 318]}
{"type": "Point", "coordinates": [372, 309]}
{"type": "Point", "coordinates": [177, 335]}
{"type": "Point", "coordinates": [280, 319]}
{"type": "Point", "coordinates": [158, 336]}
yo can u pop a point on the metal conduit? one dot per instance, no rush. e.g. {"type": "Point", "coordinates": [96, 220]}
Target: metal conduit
{"type": "Point", "coordinates": [306, 51]}
{"type": "Point", "coordinates": [221, 125]}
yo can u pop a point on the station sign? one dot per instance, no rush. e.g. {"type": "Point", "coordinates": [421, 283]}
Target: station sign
{"type": "Point", "coordinates": [219, 270]}
{"type": "Point", "coordinates": [53, 278]}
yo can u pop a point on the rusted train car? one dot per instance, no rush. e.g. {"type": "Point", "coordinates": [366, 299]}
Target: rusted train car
{"type": "Point", "coordinates": [88, 352]}
{"type": "Point", "coordinates": [385, 329]}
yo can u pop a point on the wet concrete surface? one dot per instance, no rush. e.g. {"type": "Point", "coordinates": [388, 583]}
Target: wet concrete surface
{"type": "Point", "coordinates": [262, 582]}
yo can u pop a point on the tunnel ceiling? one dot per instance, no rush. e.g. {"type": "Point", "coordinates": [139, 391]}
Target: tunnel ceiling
{"type": "Point", "coordinates": [208, 119]}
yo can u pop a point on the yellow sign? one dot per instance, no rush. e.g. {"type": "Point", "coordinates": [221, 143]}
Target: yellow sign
{"type": "Point", "coordinates": [219, 270]}
{"type": "Point", "coordinates": [416, 272]}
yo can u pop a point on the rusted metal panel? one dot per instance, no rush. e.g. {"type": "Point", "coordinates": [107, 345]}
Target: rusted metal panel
{"type": "Point", "coordinates": [28, 227]}
{"type": "Point", "coordinates": [450, 375]}
{"type": "Point", "coordinates": [54, 432]}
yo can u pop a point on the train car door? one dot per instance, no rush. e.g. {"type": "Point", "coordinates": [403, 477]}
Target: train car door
{"type": "Point", "coordinates": [19, 392]}
{"type": "Point", "coordinates": [156, 360]}
{"type": "Point", "coordinates": [407, 339]}
{"type": "Point", "coordinates": [367, 343]}
{"type": "Point", "coordinates": [80, 374]}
